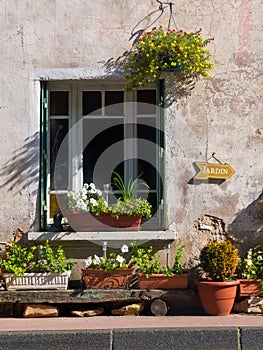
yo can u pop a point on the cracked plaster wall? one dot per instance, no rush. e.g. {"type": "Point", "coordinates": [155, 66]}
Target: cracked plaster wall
{"type": "Point", "coordinates": [222, 115]}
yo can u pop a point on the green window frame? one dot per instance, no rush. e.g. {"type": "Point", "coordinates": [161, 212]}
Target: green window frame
{"type": "Point", "coordinates": [76, 95]}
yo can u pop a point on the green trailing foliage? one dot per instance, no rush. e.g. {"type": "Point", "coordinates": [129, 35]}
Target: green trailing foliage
{"type": "Point", "coordinates": [18, 260]}
{"type": "Point", "coordinates": [147, 262]}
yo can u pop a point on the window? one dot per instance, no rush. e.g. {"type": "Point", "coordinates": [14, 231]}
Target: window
{"type": "Point", "coordinates": [90, 130]}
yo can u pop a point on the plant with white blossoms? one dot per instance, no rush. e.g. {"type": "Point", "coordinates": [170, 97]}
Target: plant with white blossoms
{"type": "Point", "coordinates": [87, 199]}
{"type": "Point", "coordinates": [251, 267]}
{"type": "Point", "coordinates": [113, 262]}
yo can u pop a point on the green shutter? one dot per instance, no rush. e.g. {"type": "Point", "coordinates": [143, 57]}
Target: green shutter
{"type": "Point", "coordinates": [43, 156]}
{"type": "Point", "coordinates": [161, 143]}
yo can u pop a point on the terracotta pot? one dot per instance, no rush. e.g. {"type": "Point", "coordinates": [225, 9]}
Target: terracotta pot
{"type": "Point", "coordinates": [120, 278]}
{"type": "Point", "coordinates": [217, 298]}
{"type": "Point", "coordinates": [249, 288]}
{"type": "Point", "coordinates": [81, 222]}
{"type": "Point", "coordinates": [160, 281]}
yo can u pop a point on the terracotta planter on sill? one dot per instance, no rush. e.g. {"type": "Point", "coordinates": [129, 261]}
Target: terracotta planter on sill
{"type": "Point", "coordinates": [248, 288]}
{"type": "Point", "coordinates": [217, 298]}
{"type": "Point", "coordinates": [84, 221]}
{"type": "Point", "coordinates": [160, 281]}
{"type": "Point", "coordinates": [120, 278]}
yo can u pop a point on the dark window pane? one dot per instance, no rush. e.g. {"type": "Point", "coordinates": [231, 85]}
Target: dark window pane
{"type": "Point", "coordinates": [114, 99]}
{"type": "Point", "coordinates": [149, 97]}
{"type": "Point", "coordinates": [91, 102]}
{"type": "Point", "coordinates": [102, 149]}
{"type": "Point", "coordinates": [58, 131]}
{"type": "Point", "coordinates": [58, 103]}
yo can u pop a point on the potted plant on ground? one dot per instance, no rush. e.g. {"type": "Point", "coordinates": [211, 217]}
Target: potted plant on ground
{"type": "Point", "coordinates": [219, 261]}
{"type": "Point", "coordinates": [150, 273]}
{"type": "Point", "coordinates": [158, 50]}
{"type": "Point", "coordinates": [107, 272]}
{"type": "Point", "coordinates": [35, 267]}
{"type": "Point", "coordinates": [251, 273]}
{"type": "Point", "coordinates": [90, 211]}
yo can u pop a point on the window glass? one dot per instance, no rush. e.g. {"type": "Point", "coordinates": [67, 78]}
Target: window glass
{"type": "Point", "coordinates": [114, 103]}
{"type": "Point", "coordinates": [91, 102]}
{"type": "Point", "coordinates": [146, 97]}
{"type": "Point", "coordinates": [58, 103]}
{"type": "Point", "coordinates": [58, 131]}
{"type": "Point", "coordinates": [103, 146]}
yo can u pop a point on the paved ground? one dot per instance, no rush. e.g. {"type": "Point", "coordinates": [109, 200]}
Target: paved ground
{"type": "Point", "coordinates": [234, 332]}
{"type": "Point", "coordinates": [131, 322]}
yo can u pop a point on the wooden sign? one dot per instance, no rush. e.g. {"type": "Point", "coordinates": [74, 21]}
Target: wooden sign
{"type": "Point", "coordinates": [213, 171]}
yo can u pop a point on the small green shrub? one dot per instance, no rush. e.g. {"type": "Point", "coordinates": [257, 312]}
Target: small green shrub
{"type": "Point", "coordinates": [219, 260]}
{"type": "Point", "coordinates": [18, 259]}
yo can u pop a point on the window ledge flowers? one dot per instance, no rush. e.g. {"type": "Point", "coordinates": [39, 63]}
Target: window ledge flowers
{"type": "Point", "coordinates": [251, 272]}
{"type": "Point", "coordinates": [113, 262]}
{"type": "Point", "coordinates": [159, 50]}
{"type": "Point", "coordinates": [107, 272]}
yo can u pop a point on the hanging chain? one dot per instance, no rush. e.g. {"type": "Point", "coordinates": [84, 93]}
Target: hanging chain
{"type": "Point", "coordinates": [162, 6]}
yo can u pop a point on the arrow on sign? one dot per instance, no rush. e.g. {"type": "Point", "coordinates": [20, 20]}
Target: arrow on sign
{"type": "Point", "coordinates": [213, 171]}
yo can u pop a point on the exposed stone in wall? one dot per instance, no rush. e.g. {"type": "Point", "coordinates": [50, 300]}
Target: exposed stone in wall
{"type": "Point", "coordinates": [205, 229]}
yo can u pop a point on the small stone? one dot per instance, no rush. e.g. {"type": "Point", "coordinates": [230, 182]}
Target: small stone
{"type": "Point", "coordinates": [129, 310]}
{"type": "Point", "coordinates": [253, 305]}
{"type": "Point", "coordinates": [40, 310]}
{"type": "Point", "coordinates": [88, 313]}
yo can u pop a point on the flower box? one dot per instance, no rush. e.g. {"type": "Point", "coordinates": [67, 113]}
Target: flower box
{"type": "Point", "coordinates": [119, 278]}
{"type": "Point", "coordinates": [37, 280]}
{"type": "Point", "coordinates": [160, 281]}
{"type": "Point", "coordinates": [84, 221]}
{"type": "Point", "coordinates": [249, 288]}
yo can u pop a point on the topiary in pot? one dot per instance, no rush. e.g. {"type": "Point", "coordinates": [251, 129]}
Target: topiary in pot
{"type": "Point", "coordinates": [219, 260]}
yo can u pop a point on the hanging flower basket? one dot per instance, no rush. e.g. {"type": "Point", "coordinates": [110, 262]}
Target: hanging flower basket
{"type": "Point", "coordinates": [158, 51]}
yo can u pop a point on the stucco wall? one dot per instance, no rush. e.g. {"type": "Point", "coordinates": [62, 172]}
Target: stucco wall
{"type": "Point", "coordinates": [73, 39]}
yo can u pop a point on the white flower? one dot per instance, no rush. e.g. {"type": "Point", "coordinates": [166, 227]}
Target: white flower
{"type": "Point", "coordinates": [81, 205]}
{"type": "Point", "coordinates": [93, 202]}
{"type": "Point", "coordinates": [96, 259]}
{"type": "Point", "coordinates": [92, 191]}
{"type": "Point", "coordinates": [124, 248]}
{"type": "Point", "coordinates": [249, 262]}
{"type": "Point", "coordinates": [120, 259]}
{"type": "Point", "coordinates": [99, 193]}
{"type": "Point", "coordinates": [88, 261]}
{"type": "Point", "coordinates": [92, 186]}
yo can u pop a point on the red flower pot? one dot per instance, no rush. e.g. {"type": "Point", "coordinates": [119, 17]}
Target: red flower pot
{"type": "Point", "coordinates": [83, 221]}
{"type": "Point", "coordinates": [217, 298]}
{"type": "Point", "coordinates": [119, 278]}
{"type": "Point", "coordinates": [249, 288]}
{"type": "Point", "coordinates": [160, 281]}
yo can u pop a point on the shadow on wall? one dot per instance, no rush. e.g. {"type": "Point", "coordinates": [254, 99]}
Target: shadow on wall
{"type": "Point", "coordinates": [178, 84]}
{"type": "Point", "coordinates": [248, 224]}
{"type": "Point", "coordinates": [22, 170]}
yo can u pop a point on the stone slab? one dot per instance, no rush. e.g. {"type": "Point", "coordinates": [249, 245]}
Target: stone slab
{"type": "Point", "coordinates": [179, 339]}
{"type": "Point", "coordinates": [252, 338]}
{"type": "Point", "coordinates": [92, 295]}
{"type": "Point", "coordinates": [53, 340]}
